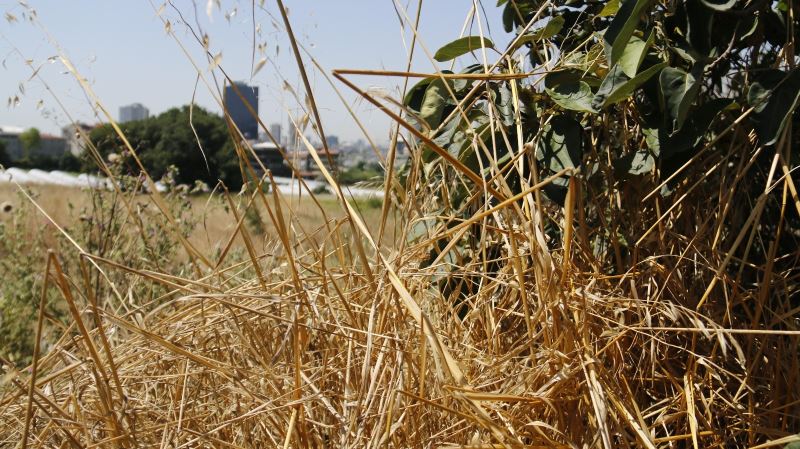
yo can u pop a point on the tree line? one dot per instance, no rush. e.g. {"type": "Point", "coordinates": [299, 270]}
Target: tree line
{"type": "Point", "coordinates": [193, 140]}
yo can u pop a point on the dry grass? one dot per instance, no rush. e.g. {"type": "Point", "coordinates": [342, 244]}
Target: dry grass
{"type": "Point", "coordinates": [323, 338]}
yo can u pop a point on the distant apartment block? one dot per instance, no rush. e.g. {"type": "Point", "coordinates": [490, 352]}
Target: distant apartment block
{"type": "Point", "coordinates": [270, 157]}
{"type": "Point", "coordinates": [237, 98]}
{"type": "Point", "coordinates": [132, 112]}
{"type": "Point", "coordinates": [72, 134]}
{"type": "Point", "coordinates": [49, 145]}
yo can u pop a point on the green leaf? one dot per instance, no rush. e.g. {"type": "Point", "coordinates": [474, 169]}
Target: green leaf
{"type": "Point", "coordinates": [622, 27]}
{"type": "Point", "coordinates": [775, 95]}
{"type": "Point", "coordinates": [699, 22]}
{"type": "Point", "coordinates": [561, 144]}
{"type": "Point", "coordinates": [662, 141]}
{"type": "Point", "coordinates": [751, 29]}
{"type": "Point", "coordinates": [460, 85]}
{"type": "Point", "coordinates": [563, 76]}
{"type": "Point", "coordinates": [462, 46]}
{"type": "Point", "coordinates": [575, 97]}
{"type": "Point", "coordinates": [552, 28]}
{"type": "Point", "coordinates": [420, 230]}
{"type": "Point", "coordinates": [634, 54]}
{"type": "Point", "coordinates": [617, 87]}
{"type": "Point", "coordinates": [719, 6]}
{"type": "Point", "coordinates": [651, 138]}
{"type": "Point", "coordinates": [466, 154]}
{"type": "Point", "coordinates": [517, 13]}
{"type": "Point", "coordinates": [433, 103]}
{"type": "Point", "coordinates": [445, 137]}
{"type": "Point", "coordinates": [642, 160]}
{"type": "Point", "coordinates": [795, 444]}
{"type": "Point", "coordinates": [456, 135]}
{"type": "Point", "coordinates": [504, 102]}
{"type": "Point", "coordinates": [569, 91]}
{"type": "Point", "coordinates": [700, 120]}
{"type": "Point", "coordinates": [416, 94]}
{"type": "Point", "coordinates": [679, 90]}
{"type": "Point", "coordinates": [508, 18]}
{"type": "Point", "coordinates": [609, 9]}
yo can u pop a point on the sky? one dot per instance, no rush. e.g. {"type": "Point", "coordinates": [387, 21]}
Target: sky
{"type": "Point", "coordinates": [123, 50]}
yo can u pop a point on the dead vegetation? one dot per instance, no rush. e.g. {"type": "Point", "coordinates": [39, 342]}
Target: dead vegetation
{"type": "Point", "coordinates": [507, 321]}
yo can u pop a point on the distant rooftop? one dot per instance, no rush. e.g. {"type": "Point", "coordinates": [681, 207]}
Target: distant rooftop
{"type": "Point", "coordinates": [11, 129]}
{"type": "Point", "coordinates": [321, 150]}
{"type": "Point", "coordinates": [264, 146]}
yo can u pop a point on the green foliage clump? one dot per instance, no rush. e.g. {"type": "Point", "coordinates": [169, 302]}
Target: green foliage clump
{"type": "Point", "coordinates": [30, 139]}
{"type": "Point", "coordinates": [620, 96]}
{"type": "Point", "coordinates": [363, 171]}
{"type": "Point", "coordinates": [374, 202]}
{"type": "Point", "coordinates": [66, 162]}
{"type": "Point", "coordinates": [22, 262]}
{"type": "Point", "coordinates": [168, 140]}
{"type": "Point", "coordinates": [103, 228]}
{"type": "Point", "coordinates": [321, 189]}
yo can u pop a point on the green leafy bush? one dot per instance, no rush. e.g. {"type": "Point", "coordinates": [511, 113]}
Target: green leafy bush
{"type": "Point", "coordinates": [66, 162]}
{"type": "Point", "coordinates": [168, 140]}
{"type": "Point", "coordinates": [363, 171]}
{"type": "Point", "coordinates": [619, 96]}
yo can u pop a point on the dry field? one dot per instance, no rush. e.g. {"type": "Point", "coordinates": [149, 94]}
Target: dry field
{"type": "Point", "coordinates": [215, 221]}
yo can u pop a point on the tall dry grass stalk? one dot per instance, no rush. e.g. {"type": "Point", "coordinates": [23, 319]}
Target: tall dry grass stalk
{"type": "Point", "coordinates": [338, 341]}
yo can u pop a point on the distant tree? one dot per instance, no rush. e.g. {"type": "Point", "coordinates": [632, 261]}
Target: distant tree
{"type": "Point", "coordinates": [168, 139]}
{"type": "Point", "coordinates": [69, 162]}
{"type": "Point", "coordinates": [30, 139]}
{"type": "Point", "coordinates": [362, 171]}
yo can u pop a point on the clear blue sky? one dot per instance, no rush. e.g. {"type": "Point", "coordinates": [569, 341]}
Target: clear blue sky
{"type": "Point", "coordinates": [122, 48]}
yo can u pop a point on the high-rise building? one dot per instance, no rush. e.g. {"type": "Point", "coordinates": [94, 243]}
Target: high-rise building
{"type": "Point", "coordinates": [237, 98]}
{"type": "Point", "coordinates": [275, 130]}
{"type": "Point", "coordinates": [131, 112]}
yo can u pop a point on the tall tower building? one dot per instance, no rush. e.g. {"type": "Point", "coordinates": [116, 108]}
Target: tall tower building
{"type": "Point", "coordinates": [132, 112]}
{"type": "Point", "coordinates": [275, 130]}
{"type": "Point", "coordinates": [236, 106]}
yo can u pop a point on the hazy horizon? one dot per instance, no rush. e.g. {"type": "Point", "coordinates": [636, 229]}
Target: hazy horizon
{"type": "Point", "coordinates": [125, 53]}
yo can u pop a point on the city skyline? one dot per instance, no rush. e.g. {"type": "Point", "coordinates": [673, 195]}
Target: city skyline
{"type": "Point", "coordinates": [148, 67]}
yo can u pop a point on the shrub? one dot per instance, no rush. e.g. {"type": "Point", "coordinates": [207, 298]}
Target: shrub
{"type": "Point", "coordinates": [363, 171]}
{"type": "Point", "coordinates": [168, 139]}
